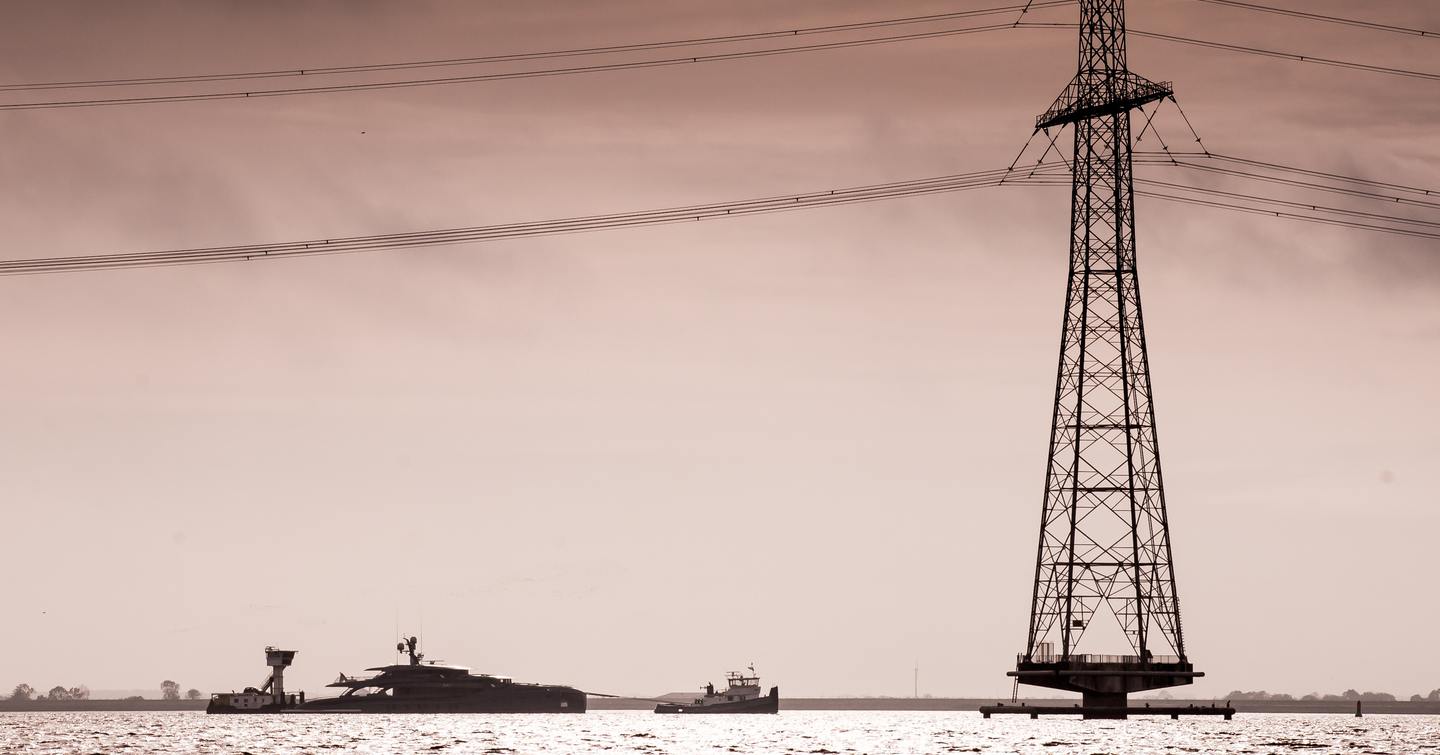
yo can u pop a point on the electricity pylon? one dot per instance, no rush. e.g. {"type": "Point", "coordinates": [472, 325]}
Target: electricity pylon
{"type": "Point", "coordinates": [1104, 546]}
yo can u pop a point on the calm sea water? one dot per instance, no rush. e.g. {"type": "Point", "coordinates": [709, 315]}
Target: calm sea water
{"type": "Point", "coordinates": [813, 732]}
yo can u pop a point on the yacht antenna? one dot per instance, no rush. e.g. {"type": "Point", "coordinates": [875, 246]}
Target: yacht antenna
{"type": "Point", "coordinates": [408, 645]}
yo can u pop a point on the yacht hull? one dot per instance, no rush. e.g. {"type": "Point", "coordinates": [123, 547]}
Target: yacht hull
{"type": "Point", "coordinates": [514, 699]}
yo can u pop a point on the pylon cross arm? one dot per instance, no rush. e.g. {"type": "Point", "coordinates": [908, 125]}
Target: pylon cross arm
{"type": "Point", "coordinates": [1087, 96]}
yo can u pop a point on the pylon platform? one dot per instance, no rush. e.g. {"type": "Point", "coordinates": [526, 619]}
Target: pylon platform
{"type": "Point", "coordinates": [1106, 681]}
{"type": "Point", "coordinates": [1104, 712]}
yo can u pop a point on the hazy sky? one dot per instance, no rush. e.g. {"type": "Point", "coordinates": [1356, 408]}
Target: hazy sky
{"type": "Point", "coordinates": [630, 460]}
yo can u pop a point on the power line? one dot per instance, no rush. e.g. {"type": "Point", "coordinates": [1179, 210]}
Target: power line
{"type": "Point", "coordinates": [1169, 159]}
{"type": "Point", "coordinates": [538, 73]}
{"type": "Point", "coordinates": [1056, 173]}
{"type": "Point", "coordinates": [1291, 209]}
{"type": "Point", "coordinates": [1289, 215]}
{"type": "Point", "coordinates": [624, 65]}
{"type": "Point", "coordinates": [1388, 70]}
{"type": "Point", "coordinates": [1296, 57]}
{"type": "Point", "coordinates": [1183, 159]}
{"type": "Point", "coordinates": [1297, 183]}
{"type": "Point", "coordinates": [530, 56]}
{"type": "Point", "coordinates": [1326, 19]}
{"type": "Point", "coordinates": [1323, 174]}
{"type": "Point", "coordinates": [1292, 204]}
{"type": "Point", "coordinates": [474, 78]}
{"type": "Point", "coordinates": [395, 241]}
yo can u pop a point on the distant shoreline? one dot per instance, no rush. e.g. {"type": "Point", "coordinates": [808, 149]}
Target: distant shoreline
{"type": "Point", "coordinates": [12, 706]}
{"type": "Point", "coordinates": [1341, 707]}
{"type": "Point", "coordinates": [973, 704]}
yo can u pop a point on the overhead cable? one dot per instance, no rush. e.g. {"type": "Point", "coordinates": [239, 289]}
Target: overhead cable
{"type": "Point", "coordinates": [1054, 173]}
{"type": "Point", "coordinates": [502, 76]}
{"type": "Point", "coordinates": [1378, 196]}
{"type": "Point", "coordinates": [1294, 205]}
{"type": "Point", "coordinates": [317, 71]}
{"type": "Point", "coordinates": [1322, 174]}
{"type": "Point", "coordinates": [394, 241]}
{"type": "Point", "coordinates": [1296, 57]}
{"type": "Point", "coordinates": [1289, 215]}
{"type": "Point", "coordinates": [1327, 19]}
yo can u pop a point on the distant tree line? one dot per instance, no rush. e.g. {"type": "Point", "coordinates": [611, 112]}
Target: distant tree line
{"type": "Point", "coordinates": [169, 690]}
{"type": "Point", "coordinates": [24, 692]}
{"type": "Point", "coordinates": [1348, 695]}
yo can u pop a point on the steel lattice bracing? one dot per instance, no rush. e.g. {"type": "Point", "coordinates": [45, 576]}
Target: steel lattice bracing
{"type": "Point", "coordinates": [1104, 539]}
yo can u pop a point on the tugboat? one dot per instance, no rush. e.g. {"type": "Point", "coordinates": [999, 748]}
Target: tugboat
{"type": "Point", "coordinates": [742, 696]}
{"type": "Point", "coordinates": [419, 686]}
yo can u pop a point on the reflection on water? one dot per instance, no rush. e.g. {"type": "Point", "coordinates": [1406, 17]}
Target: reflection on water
{"type": "Point", "coordinates": [818, 732]}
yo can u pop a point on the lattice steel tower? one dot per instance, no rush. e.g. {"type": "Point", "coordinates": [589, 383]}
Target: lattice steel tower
{"type": "Point", "coordinates": [1104, 538]}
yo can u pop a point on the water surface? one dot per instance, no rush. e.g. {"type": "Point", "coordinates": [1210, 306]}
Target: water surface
{"type": "Point", "coordinates": [617, 732]}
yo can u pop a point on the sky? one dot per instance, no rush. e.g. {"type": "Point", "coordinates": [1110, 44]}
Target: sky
{"type": "Point", "coordinates": [631, 460]}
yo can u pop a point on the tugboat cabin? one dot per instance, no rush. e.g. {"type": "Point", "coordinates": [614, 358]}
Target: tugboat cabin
{"type": "Point", "coordinates": [739, 687]}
